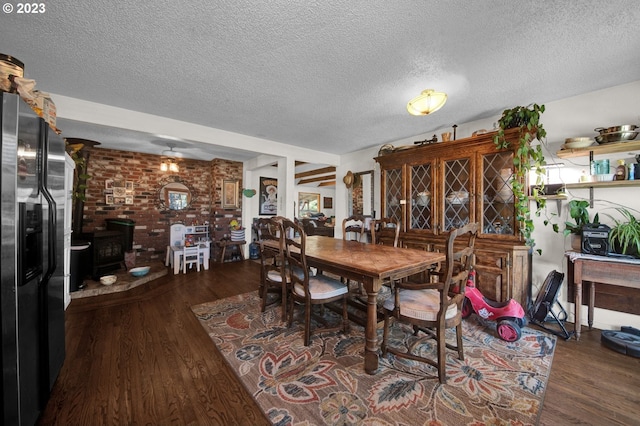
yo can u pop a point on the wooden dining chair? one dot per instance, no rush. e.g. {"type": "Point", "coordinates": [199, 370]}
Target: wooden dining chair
{"type": "Point", "coordinates": [307, 290]}
{"type": "Point", "coordinates": [353, 228]}
{"type": "Point", "coordinates": [273, 274]}
{"type": "Point", "coordinates": [433, 307]}
{"type": "Point", "coordinates": [385, 231]}
{"type": "Point", "coordinates": [417, 243]}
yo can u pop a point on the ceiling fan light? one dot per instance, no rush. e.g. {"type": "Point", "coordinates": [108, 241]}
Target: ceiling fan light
{"type": "Point", "coordinates": [169, 165]}
{"type": "Point", "coordinates": [427, 102]}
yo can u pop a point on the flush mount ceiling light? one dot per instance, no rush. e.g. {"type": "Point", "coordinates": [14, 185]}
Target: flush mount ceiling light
{"type": "Point", "coordinates": [429, 101]}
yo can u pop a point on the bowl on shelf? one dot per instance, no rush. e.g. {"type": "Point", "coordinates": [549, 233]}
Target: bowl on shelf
{"type": "Point", "coordinates": [423, 198]}
{"type": "Point", "coordinates": [612, 137]}
{"type": "Point", "coordinates": [612, 129]}
{"type": "Point", "coordinates": [607, 177]}
{"type": "Point", "coordinates": [108, 279]}
{"type": "Point", "coordinates": [457, 197]}
{"type": "Point", "coordinates": [573, 143]}
{"type": "Point", "coordinates": [140, 271]}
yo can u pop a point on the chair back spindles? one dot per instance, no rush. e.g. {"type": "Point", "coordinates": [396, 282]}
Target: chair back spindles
{"type": "Point", "coordinates": [190, 257]}
{"type": "Point", "coordinates": [353, 228]}
{"type": "Point", "coordinates": [385, 231]}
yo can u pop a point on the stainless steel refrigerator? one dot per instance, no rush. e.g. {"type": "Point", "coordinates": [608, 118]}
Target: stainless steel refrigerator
{"type": "Point", "coordinates": [32, 162]}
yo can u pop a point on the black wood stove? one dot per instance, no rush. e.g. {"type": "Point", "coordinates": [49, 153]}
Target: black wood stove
{"type": "Point", "coordinates": [108, 248]}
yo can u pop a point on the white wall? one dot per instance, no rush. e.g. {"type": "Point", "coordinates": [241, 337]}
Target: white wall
{"type": "Point", "coordinates": [570, 117]}
{"type": "Point", "coordinates": [579, 116]}
{"type": "Point", "coordinates": [356, 162]}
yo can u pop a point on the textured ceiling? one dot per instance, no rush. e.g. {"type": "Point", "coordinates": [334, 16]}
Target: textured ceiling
{"type": "Point", "coordinates": [328, 75]}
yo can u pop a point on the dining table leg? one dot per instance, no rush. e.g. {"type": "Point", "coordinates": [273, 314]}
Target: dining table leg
{"type": "Point", "coordinates": [371, 331]}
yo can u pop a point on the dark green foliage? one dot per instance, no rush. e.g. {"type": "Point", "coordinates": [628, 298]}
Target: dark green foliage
{"type": "Point", "coordinates": [526, 158]}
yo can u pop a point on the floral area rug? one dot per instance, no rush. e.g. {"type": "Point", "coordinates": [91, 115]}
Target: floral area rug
{"type": "Point", "coordinates": [325, 383]}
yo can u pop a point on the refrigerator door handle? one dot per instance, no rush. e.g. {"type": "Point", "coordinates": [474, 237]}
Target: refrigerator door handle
{"type": "Point", "coordinates": [43, 183]}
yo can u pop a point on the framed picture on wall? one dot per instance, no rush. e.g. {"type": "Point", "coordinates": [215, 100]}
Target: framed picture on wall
{"type": "Point", "coordinates": [268, 196]}
{"type": "Point", "coordinates": [119, 191]}
{"type": "Point", "coordinates": [230, 194]}
{"type": "Point", "coordinates": [108, 199]}
{"type": "Point", "coordinates": [327, 202]}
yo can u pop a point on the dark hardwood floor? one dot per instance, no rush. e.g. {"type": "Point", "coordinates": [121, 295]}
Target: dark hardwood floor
{"type": "Point", "coordinates": [141, 357]}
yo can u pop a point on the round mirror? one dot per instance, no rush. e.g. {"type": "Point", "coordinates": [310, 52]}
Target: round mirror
{"type": "Point", "coordinates": [175, 196]}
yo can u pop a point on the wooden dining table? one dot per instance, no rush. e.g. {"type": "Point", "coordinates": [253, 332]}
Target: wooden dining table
{"type": "Point", "coordinates": [371, 265]}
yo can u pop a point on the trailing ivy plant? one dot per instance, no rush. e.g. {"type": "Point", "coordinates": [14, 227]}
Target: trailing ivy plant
{"type": "Point", "coordinates": [527, 157]}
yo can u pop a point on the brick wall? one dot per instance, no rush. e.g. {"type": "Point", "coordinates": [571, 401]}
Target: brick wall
{"type": "Point", "coordinates": [152, 220]}
{"type": "Point", "coordinates": [221, 170]}
{"type": "Point", "coordinates": [357, 197]}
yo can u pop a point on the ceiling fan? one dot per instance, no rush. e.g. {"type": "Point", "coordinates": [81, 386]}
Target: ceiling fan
{"type": "Point", "coordinates": [170, 152]}
{"type": "Point", "coordinates": [168, 164]}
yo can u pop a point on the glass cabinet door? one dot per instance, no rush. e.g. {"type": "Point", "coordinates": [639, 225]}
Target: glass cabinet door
{"type": "Point", "coordinates": [393, 194]}
{"type": "Point", "coordinates": [421, 197]}
{"type": "Point", "coordinates": [498, 201]}
{"type": "Point", "coordinates": [457, 189]}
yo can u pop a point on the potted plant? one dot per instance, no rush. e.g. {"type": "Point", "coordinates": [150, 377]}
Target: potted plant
{"type": "Point", "coordinates": [527, 157]}
{"type": "Point", "coordinates": [237, 231]}
{"type": "Point", "coordinates": [624, 236]}
{"type": "Point", "coordinates": [580, 215]}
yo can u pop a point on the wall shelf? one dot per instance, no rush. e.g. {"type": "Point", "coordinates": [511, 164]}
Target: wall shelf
{"type": "Point", "coordinates": [559, 198]}
{"type": "Point", "coordinates": [599, 149]}
{"type": "Point", "coordinates": [552, 197]}
{"type": "Point", "coordinates": [592, 150]}
{"type": "Point", "coordinates": [607, 184]}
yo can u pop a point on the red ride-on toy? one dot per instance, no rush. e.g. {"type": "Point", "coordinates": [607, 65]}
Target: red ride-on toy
{"type": "Point", "coordinates": [509, 315]}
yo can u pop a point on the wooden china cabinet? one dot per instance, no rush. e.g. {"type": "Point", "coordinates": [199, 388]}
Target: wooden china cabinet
{"type": "Point", "coordinates": [433, 188]}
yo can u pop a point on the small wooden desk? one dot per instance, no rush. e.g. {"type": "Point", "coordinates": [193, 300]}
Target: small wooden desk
{"type": "Point", "coordinates": [599, 269]}
{"type": "Point", "coordinates": [371, 265]}
{"type": "Point", "coordinates": [223, 244]}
